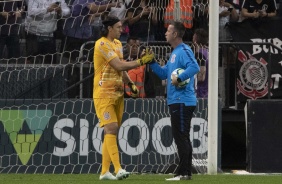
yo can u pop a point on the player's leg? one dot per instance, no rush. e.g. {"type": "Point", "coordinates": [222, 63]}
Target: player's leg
{"type": "Point", "coordinates": [120, 173]}
{"type": "Point", "coordinates": [102, 107]}
{"type": "Point", "coordinates": [181, 116]}
{"type": "Point", "coordinates": [111, 142]}
{"type": "Point", "coordinates": [106, 159]}
{"type": "Point", "coordinates": [106, 162]}
{"type": "Point", "coordinates": [185, 163]}
{"type": "Point", "coordinates": [110, 114]}
{"type": "Point", "coordinates": [111, 125]}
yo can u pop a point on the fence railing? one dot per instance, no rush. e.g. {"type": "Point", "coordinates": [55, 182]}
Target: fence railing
{"type": "Point", "coordinates": [36, 81]}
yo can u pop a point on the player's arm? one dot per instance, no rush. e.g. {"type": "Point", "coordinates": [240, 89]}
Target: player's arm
{"type": "Point", "coordinates": [188, 60]}
{"type": "Point", "coordinates": [160, 71]}
{"type": "Point", "coordinates": [119, 65]}
{"type": "Point", "coordinates": [125, 78]}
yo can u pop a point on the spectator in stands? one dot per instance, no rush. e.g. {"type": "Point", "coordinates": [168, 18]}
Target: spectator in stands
{"type": "Point", "coordinates": [10, 20]}
{"type": "Point", "coordinates": [132, 48]}
{"type": "Point", "coordinates": [40, 25]}
{"type": "Point", "coordinates": [185, 15]}
{"type": "Point", "coordinates": [142, 17]}
{"type": "Point", "coordinates": [181, 100]}
{"type": "Point", "coordinates": [160, 29]}
{"type": "Point", "coordinates": [142, 76]}
{"type": "Point", "coordinates": [137, 75]}
{"type": "Point", "coordinates": [120, 12]}
{"type": "Point", "coordinates": [237, 4]}
{"type": "Point", "coordinates": [200, 43]}
{"type": "Point", "coordinates": [110, 75]}
{"type": "Point", "coordinates": [201, 18]}
{"type": "Point", "coordinates": [79, 27]}
{"type": "Point", "coordinates": [257, 9]}
{"type": "Point", "coordinates": [226, 13]}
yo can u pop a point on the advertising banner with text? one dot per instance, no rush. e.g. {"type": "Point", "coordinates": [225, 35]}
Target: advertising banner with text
{"type": "Point", "coordinates": [65, 137]}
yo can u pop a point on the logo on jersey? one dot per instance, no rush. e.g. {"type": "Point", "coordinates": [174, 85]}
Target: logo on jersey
{"type": "Point", "coordinates": [110, 54]}
{"type": "Point", "coordinates": [172, 60]}
{"type": "Point", "coordinates": [107, 116]}
{"type": "Point", "coordinates": [102, 43]}
{"type": "Point", "coordinates": [253, 76]}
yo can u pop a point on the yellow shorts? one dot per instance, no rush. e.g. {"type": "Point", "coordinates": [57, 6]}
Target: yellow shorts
{"type": "Point", "coordinates": [109, 110]}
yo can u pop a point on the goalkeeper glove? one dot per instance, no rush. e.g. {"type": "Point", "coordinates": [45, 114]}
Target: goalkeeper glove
{"type": "Point", "coordinates": [134, 90]}
{"type": "Point", "coordinates": [146, 58]}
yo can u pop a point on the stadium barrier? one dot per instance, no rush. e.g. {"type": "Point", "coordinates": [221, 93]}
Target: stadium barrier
{"type": "Point", "coordinates": [63, 136]}
{"type": "Point", "coordinates": [264, 136]}
{"type": "Point", "coordinates": [20, 81]}
{"type": "Point", "coordinates": [73, 80]}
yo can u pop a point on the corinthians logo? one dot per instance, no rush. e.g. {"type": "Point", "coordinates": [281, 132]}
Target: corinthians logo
{"type": "Point", "coordinates": [253, 76]}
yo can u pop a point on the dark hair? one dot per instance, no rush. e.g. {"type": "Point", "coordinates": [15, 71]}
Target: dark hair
{"type": "Point", "coordinates": [179, 28]}
{"type": "Point", "coordinates": [108, 21]}
{"type": "Point", "coordinates": [202, 36]}
{"type": "Point", "coordinates": [132, 38]}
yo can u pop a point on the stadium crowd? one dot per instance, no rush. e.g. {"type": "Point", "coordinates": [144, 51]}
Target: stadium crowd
{"type": "Point", "coordinates": [74, 22]}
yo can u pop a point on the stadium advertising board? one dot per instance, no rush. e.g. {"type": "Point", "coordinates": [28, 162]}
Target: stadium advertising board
{"type": "Point", "coordinates": [65, 137]}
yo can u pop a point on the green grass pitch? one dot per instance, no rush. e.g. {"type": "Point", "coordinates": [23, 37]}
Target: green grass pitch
{"type": "Point", "coordinates": [137, 179]}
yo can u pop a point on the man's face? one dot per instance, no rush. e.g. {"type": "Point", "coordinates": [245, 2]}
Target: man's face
{"type": "Point", "coordinates": [170, 34]}
{"type": "Point", "coordinates": [133, 48]}
{"type": "Point", "coordinates": [116, 30]}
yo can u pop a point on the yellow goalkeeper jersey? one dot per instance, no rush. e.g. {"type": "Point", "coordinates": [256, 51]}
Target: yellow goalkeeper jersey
{"type": "Point", "coordinates": [107, 81]}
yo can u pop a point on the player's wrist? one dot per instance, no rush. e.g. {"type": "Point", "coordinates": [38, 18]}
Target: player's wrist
{"type": "Point", "coordinates": [140, 62]}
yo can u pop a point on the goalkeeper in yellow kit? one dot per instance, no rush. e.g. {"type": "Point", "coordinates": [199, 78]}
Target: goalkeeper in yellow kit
{"type": "Point", "coordinates": [110, 76]}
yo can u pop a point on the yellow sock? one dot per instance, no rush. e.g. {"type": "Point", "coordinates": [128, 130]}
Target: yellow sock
{"type": "Point", "coordinates": [106, 159]}
{"type": "Point", "coordinates": [111, 142]}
